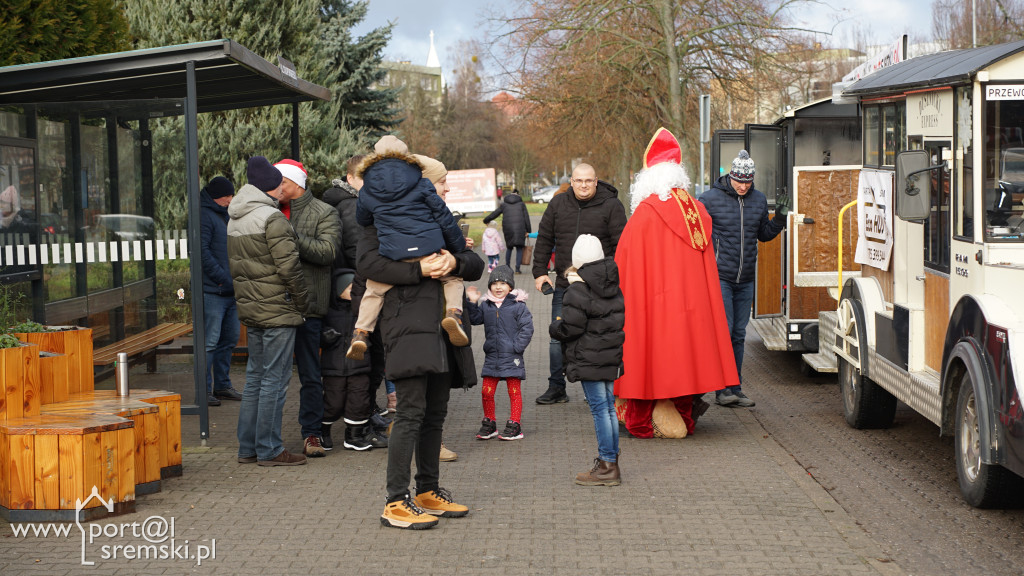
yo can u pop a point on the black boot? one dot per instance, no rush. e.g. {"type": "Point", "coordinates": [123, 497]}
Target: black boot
{"type": "Point", "coordinates": [355, 438]}
{"type": "Point", "coordinates": [554, 395]}
{"type": "Point", "coordinates": [325, 436]}
{"type": "Point", "coordinates": [374, 438]}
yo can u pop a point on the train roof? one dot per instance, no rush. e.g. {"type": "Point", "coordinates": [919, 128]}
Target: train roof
{"type": "Point", "coordinates": [938, 69]}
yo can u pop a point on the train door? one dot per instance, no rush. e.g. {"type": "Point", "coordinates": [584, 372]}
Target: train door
{"type": "Point", "coordinates": [766, 146]}
{"type": "Point", "coordinates": [936, 256]}
{"type": "Point", "coordinates": [725, 145]}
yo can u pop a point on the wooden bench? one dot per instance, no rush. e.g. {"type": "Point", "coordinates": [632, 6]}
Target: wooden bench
{"type": "Point", "coordinates": [141, 346]}
{"type": "Point", "coordinates": [145, 416]}
{"type": "Point", "coordinates": [59, 438]}
{"type": "Point", "coordinates": [167, 427]}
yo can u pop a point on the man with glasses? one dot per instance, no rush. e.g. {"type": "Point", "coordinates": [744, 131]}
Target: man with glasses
{"type": "Point", "coordinates": [591, 207]}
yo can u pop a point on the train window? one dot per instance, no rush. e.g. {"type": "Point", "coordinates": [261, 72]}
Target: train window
{"type": "Point", "coordinates": [963, 183]}
{"type": "Point", "coordinates": [936, 227]}
{"type": "Point", "coordinates": [1003, 160]}
{"type": "Point", "coordinates": [885, 134]}
{"type": "Point", "coordinates": [827, 142]}
{"type": "Point", "coordinates": [872, 156]}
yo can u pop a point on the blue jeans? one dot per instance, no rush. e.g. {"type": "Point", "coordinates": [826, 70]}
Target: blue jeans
{"type": "Point", "coordinates": [492, 261]}
{"type": "Point", "coordinates": [737, 299]}
{"type": "Point", "coordinates": [556, 378]}
{"type": "Point", "coordinates": [311, 392]}
{"type": "Point", "coordinates": [519, 257]}
{"type": "Point", "coordinates": [266, 385]}
{"type": "Point", "coordinates": [606, 424]}
{"type": "Point", "coordinates": [220, 320]}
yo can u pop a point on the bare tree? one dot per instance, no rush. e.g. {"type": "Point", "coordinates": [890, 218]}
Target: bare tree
{"type": "Point", "coordinates": [998, 21]}
{"type": "Point", "coordinates": [605, 74]}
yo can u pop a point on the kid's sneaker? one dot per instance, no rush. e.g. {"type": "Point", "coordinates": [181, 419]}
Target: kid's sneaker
{"type": "Point", "coordinates": [512, 431]}
{"type": "Point", "coordinates": [488, 429]}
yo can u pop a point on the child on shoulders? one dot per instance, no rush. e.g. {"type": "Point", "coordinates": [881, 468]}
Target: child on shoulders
{"type": "Point", "coordinates": [413, 223]}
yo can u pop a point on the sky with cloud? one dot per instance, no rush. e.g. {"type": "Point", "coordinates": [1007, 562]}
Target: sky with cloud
{"type": "Point", "coordinates": [456, 20]}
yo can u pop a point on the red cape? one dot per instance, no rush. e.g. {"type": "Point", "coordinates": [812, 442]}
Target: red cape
{"type": "Point", "coordinates": [677, 336]}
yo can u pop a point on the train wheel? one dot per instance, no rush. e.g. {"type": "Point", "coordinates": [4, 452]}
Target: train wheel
{"type": "Point", "coordinates": [865, 403]}
{"type": "Point", "coordinates": [982, 485]}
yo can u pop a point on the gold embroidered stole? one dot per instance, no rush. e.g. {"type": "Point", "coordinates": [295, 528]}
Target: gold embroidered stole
{"type": "Point", "coordinates": [694, 223]}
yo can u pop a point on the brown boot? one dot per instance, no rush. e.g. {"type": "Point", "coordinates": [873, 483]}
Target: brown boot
{"type": "Point", "coordinates": [452, 324]}
{"type": "Point", "coordinates": [602, 474]}
{"type": "Point", "coordinates": [360, 340]}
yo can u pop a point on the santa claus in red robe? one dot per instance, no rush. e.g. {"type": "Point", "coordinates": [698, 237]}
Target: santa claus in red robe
{"type": "Point", "coordinates": [677, 338]}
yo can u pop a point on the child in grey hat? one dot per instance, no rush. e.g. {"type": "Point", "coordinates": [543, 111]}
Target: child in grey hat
{"type": "Point", "coordinates": [508, 328]}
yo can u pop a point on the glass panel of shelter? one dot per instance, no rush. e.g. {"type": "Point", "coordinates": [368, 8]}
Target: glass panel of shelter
{"type": "Point", "coordinates": [111, 248]}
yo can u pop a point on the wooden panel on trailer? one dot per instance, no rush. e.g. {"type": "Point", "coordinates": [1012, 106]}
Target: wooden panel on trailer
{"type": "Point", "coordinates": [936, 317]}
{"type": "Point", "coordinates": [822, 194]}
{"type": "Point", "coordinates": [768, 298]}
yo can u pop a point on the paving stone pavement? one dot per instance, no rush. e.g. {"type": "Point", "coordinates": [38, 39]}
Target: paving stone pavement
{"type": "Point", "coordinates": [728, 500]}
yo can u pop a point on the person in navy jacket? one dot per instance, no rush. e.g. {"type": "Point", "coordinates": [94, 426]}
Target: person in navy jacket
{"type": "Point", "coordinates": [739, 220]}
{"type": "Point", "coordinates": [220, 316]}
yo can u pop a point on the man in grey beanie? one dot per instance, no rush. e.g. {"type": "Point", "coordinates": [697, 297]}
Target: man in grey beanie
{"type": "Point", "coordinates": [739, 215]}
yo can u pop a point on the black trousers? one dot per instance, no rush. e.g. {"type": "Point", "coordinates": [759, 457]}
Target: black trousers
{"type": "Point", "coordinates": [347, 397]}
{"type": "Point", "coordinates": [422, 408]}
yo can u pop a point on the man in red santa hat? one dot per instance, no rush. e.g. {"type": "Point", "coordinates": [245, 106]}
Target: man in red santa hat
{"type": "Point", "coordinates": [677, 337]}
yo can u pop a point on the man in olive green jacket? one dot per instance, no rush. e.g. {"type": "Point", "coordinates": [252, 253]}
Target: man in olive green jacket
{"type": "Point", "coordinates": [272, 299]}
{"type": "Point", "coordinates": [318, 232]}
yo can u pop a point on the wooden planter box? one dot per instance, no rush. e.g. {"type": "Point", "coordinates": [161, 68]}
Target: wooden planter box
{"type": "Point", "coordinates": [76, 345]}
{"type": "Point", "coordinates": [50, 462]}
{"type": "Point", "coordinates": [19, 382]}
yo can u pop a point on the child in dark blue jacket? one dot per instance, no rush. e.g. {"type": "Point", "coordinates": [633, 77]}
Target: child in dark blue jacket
{"type": "Point", "coordinates": [413, 224]}
{"type": "Point", "coordinates": [508, 328]}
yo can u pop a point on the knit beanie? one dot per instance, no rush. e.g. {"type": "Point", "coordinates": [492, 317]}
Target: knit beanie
{"type": "Point", "coordinates": [433, 170]}
{"type": "Point", "coordinates": [502, 274]}
{"type": "Point", "coordinates": [293, 171]}
{"type": "Point", "coordinates": [220, 187]}
{"type": "Point", "coordinates": [262, 175]}
{"type": "Point", "coordinates": [586, 250]}
{"type": "Point", "coordinates": [390, 143]}
{"type": "Point", "coordinates": [742, 168]}
{"type": "Point", "coordinates": [343, 278]}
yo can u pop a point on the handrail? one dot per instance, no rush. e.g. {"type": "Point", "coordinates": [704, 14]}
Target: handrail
{"type": "Point", "coordinates": [839, 289]}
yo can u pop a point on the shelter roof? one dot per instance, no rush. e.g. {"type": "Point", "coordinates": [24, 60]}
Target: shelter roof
{"type": "Point", "coordinates": [228, 76]}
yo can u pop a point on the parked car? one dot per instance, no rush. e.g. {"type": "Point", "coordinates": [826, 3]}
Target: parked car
{"type": "Point", "coordinates": [126, 226]}
{"type": "Point", "coordinates": [544, 195]}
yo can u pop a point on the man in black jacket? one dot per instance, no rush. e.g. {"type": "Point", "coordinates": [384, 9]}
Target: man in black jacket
{"type": "Point", "coordinates": [739, 216]}
{"type": "Point", "coordinates": [593, 207]}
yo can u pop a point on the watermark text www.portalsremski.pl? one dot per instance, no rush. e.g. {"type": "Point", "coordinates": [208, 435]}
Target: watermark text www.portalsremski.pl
{"type": "Point", "coordinates": [155, 538]}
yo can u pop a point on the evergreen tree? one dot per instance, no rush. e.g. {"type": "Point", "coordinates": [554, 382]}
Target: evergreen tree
{"type": "Point", "coordinates": [354, 66]}
{"type": "Point", "coordinates": [316, 36]}
{"type": "Point", "coordinates": [41, 30]}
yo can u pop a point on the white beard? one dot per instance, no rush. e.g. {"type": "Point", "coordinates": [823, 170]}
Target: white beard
{"type": "Point", "coordinates": [659, 179]}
